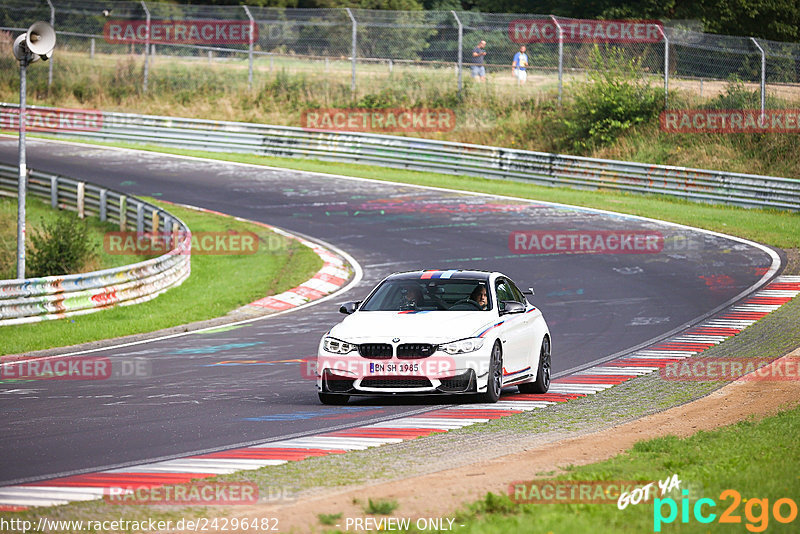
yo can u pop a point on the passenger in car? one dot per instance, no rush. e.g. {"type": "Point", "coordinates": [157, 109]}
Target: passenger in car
{"type": "Point", "coordinates": [411, 298]}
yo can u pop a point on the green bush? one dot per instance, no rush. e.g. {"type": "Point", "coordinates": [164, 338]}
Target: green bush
{"type": "Point", "coordinates": [736, 96]}
{"type": "Point", "coordinates": [61, 246]}
{"type": "Point", "coordinates": [614, 99]}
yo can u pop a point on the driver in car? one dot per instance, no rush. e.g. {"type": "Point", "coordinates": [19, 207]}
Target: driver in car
{"type": "Point", "coordinates": [478, 296]}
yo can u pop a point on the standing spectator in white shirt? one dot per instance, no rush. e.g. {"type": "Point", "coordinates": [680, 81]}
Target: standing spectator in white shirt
{"type": "Point", "coordinates": [519, 65]}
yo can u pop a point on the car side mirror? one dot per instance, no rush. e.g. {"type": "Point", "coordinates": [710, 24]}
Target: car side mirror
{"type": "Point", "coordinates": [349, 307]}
{"type": "Point", "coordinates": [511, 306]}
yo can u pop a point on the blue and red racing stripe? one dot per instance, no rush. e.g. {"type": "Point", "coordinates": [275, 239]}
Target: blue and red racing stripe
{"type": "Point", "coordinates": [507, 374]}
{"type": "Point", "coordinates": [428, 275]}
{"type": "Point", "coordinates": [490, 328]}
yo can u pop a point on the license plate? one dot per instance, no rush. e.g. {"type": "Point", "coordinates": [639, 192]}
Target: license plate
{"type": "Point", "coordinates": [383, 368]}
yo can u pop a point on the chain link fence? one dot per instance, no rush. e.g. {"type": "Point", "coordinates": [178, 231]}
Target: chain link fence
{"type": "Point", "coordinates": [139, 44]}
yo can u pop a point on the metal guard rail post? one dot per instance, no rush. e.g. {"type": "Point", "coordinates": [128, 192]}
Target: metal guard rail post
{"type": "Point", "coordinates": [541, 168]}
{"type": "Point", "coordinates": [54, 297]}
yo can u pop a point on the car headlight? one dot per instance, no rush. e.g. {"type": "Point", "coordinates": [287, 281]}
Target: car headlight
{"type": "Point", "coordinates": [337, 346]}
{"type": "Point", "coordinates": [462, 345]}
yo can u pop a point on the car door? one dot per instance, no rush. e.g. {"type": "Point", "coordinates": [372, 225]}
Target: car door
{"type": "Point", "coordinates": [531, 348]}
{"type": "Point", "coordinates": [515, 356]}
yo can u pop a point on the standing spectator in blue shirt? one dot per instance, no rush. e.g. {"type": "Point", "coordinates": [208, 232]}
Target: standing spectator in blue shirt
{"type": "Point", "coordinates": [519, 65]}
{"type": "Point", "coordinates": [478, 68]}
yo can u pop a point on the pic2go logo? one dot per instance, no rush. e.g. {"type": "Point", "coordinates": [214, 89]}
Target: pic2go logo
{"type": "Point", "coordinates": [758, 520]}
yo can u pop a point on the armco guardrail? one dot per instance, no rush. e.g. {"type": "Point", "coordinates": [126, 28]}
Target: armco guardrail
{"type": "Point", "coordinates": [419, 154]}
{"type": "Point", "coordinates": [54, 297]}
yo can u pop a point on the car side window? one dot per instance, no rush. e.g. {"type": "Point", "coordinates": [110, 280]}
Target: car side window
{"type": "Point", "coordinates": [503, 293]}
{"type": "Point", "coordinates": [518, 296]}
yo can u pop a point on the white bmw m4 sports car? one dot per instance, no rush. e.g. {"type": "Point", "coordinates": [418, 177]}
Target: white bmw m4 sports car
{"type": "Point", "coordinates": [436, 332]}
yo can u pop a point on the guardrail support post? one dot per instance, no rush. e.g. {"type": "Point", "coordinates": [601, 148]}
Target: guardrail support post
{"type": "Point", "coordinates": [250, 51]}
{"type": "Point", "coordinates": [763, 78]}
{"type": "Point", "coordinates": [54, 192]}
{"type": "Point", "coordinates": [146, 48]}
{"type": "Point", "coordinates": [560, 58]}
{"type": "Point", "coordinates": [123, 213]}
{"type": "Point", "coordinates": [103, 205]}
{"type": "Point", "coordinates": [460, 50]}
{"type": "Point", "coordinates": [139, 217]}
{"type": "Point", "coordinates": [353, 51]}
{"type": "Point", "coordinates": [81, 197]}
{"type": "Point", "coordinates": [154, 222]}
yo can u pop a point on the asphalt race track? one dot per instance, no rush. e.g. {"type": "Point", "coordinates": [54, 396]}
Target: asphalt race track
{"type": "Point", "coordinates": [596, 305]}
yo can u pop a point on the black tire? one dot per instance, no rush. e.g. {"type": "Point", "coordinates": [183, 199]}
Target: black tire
{"type": "Point", "coordinates": [332, 399]}
{"type": "Point", "coordinates": [542, 382]}
{"type": "Point", "coordinates": [495, 381]}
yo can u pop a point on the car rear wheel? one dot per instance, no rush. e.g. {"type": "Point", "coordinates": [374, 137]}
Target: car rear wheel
{"type": "Point", "coordinates": [542, 382]}
{"type": "Point", "coordinates": [495, 382]}
{"type": "Point", "coordinates": [333, 399]}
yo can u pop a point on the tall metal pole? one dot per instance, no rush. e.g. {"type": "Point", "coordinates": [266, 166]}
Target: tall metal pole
{"type": "Point", "coordinates": [355, 42]}
{"type": "Point", "coordinates": [666, 67]}
{"type": "Point", "coordinates": [250, 52]}
{"type": "Point", "coordinates": [460, 49]}
{"type": "Point", "coordinates": [146, 48]}
{"type": "Point", "coordinates": [560, 58]}
{"type": "Point", "coordinates": [53, 24]}
{"type": "Point", "coordinates": [763, 78]}
{"type": "Point", "coordinates": [23, 172]}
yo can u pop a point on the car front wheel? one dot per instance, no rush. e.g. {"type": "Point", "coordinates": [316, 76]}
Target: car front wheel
{"type": "Point", "coordinates": [495, 382]}
{"type": "Point", "coordinates": [542, 382]}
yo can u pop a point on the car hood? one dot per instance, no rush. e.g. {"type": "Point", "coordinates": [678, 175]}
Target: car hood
{"type": "Point", "coordinates": [426, 326]}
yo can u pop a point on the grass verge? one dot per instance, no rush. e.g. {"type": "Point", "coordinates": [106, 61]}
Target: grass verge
{"type": "Point", "coordinates": [707, 463]}
{"type": "Point", "coordinates": [214, 288]}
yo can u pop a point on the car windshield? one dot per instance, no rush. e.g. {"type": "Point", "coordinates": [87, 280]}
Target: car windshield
{"type": "Point", "coordinates": [430, 295]}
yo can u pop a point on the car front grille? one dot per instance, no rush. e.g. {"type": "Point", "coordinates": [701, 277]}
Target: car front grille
{"type": "Point", "coordinates": [375, 351]}
{"type": "Point", "coordinates": [410, 351]}
{"type": "Point", "coordinates": [395, 382]}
